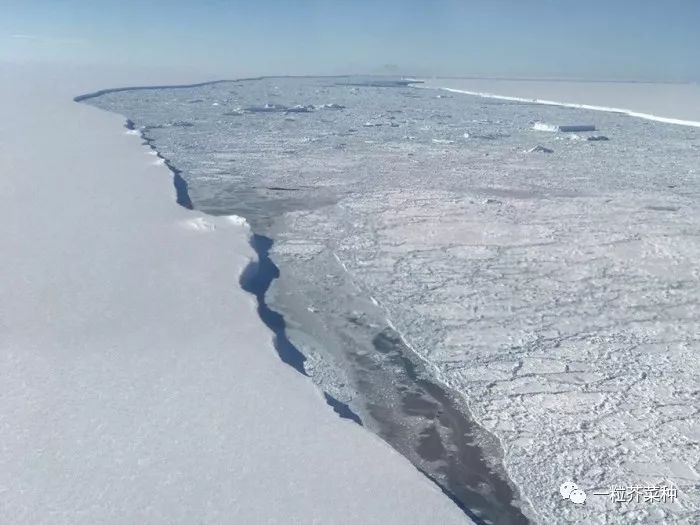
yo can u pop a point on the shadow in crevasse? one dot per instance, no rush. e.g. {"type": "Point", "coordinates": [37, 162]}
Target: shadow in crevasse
{"type": "Point", "coordinates": [256, 279]}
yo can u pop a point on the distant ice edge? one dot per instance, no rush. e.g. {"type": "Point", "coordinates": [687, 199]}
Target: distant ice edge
{"type": "Point", "coordinates": [622, 111]}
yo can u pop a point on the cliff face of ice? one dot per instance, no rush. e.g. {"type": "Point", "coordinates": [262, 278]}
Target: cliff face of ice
{"type": "Point", "coordinates": [138, 383]}
{"type": "Point", "coordinates": [556, 292]}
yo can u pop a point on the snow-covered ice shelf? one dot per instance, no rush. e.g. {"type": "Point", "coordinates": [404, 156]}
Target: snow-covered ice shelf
{"type": "Point", "coordinates": [138, 383]}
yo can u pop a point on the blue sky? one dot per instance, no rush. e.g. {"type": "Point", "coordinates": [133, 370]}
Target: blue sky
{"type": "Point", "coordinates": [595, 39]}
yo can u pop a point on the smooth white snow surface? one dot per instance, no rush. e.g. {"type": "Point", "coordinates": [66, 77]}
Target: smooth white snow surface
{"type": "Point", "coordinates": [138, 384]}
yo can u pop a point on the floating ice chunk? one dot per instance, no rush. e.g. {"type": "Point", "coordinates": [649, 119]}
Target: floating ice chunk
{"type": "Point", "coordinates": [267, 108]}
{"type": "Point", "coordinates": [577, 127]}
{"type": "Point", "coordinates": [540, 149]}
{"type": "Point", "coordinates": [485, 136]}
{"type": "Point", "coordinates": [543, 126]}
{"type": "Point", "coordinates": [331, 106]}
{"type": "Point", "coordinates": [596, 138]}
{"type": "Point", "coordinates": [300, 109]}
{"type": "Point", "coordinates": [235, 113]}
{"type": "Point", "coordinates": [372, 124]}
{"type": "Point", "coordinates": [443, 141]}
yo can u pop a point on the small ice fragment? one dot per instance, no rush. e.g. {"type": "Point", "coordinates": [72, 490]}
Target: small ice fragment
{"type": "Point", "coordinates": [267, 108]}
{"type": "Point", "coordinates": [577, 127]}
{"type": "Point", "coordinates": [543, 126]}
{"type": "Point", "coordinates": [541, 149]}
{"type": "Point", "coordinates": [300, 109]}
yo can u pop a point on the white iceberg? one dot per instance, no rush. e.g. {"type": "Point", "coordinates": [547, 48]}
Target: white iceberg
{"type": "Point", "coordinates": [543, 126]}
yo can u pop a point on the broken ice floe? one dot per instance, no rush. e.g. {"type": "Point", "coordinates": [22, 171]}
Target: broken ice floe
{"type": "Point", "coordinates": [540, 149]}
{"type": "Point", "coordinates": [300, 109]}
{"type": "Point", "coordinates": [485, 136]}
{"type": "Point", "coordinates": [331, 106]}
{"type": "Point", "coordinates": [267, 108]}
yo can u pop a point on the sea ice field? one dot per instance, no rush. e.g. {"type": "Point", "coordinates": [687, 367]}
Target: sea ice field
{"type": "Point", "coordinates": [509, 308]}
